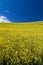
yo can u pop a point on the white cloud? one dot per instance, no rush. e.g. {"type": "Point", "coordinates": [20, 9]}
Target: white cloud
{"type": "Point", "coordinates": [4, 19]}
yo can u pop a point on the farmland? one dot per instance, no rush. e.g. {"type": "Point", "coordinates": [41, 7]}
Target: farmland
{"type": "Point", "coordinates": [21, 43]}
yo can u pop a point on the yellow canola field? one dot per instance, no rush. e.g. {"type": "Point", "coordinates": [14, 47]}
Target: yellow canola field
{"type": "Point", "coordinates": [21, 43]}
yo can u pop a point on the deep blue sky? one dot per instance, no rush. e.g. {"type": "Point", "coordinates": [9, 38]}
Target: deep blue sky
{"type": "Point", "coordinates": [22, 10]}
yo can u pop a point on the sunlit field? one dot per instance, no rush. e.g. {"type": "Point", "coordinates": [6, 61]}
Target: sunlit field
{"type": "Point", "coordinates": [21, 43]}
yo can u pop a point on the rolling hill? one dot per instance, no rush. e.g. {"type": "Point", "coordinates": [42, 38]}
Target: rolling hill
{"type": "Point", "coordinates": [21, 43]}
